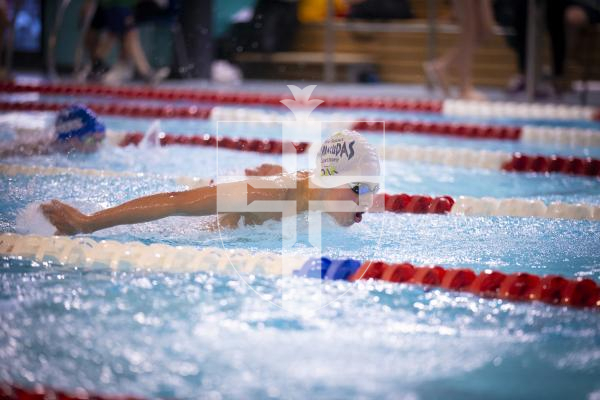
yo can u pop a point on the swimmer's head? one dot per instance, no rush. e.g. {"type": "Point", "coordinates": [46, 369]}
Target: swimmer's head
{"type": "Point", "coordinates": [78, 128]}
{"type": "Point", "coordinates": [347, 168]}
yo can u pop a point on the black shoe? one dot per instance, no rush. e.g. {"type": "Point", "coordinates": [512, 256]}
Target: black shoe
{"type": "Point", "coordinates": [157, 76]}
{"type": "Point", "coordinates": [99, 68]}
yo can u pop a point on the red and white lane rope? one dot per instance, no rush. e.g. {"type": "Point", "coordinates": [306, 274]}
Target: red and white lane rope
{"type": "Point", "coordinates": [494, 160]}
{"type": "Point", "coordinates": [211, 96]}
{"type": "Point", "coordinates": [572, 137]}
{"type": "Point", "coordinates": [567, 137]}
{"type": "Point", "coordinates": [266, 146]}
{"type": "Point", "coordinates": [85, 252]}
{"type": "Point", "coordinates": [126, 110]}
{"type": "Point", "coordinates": [555, 136]}
{"type": "Point", "coordinates": [486, 206]}
{"type": "Point", "coordinates": [447, 107]}
{"type": "Point", "coordinates": [30, 170]}
{"type": "Point", "coordinates": [455, 157]}
{"type": "Point", "coordinates": [516, 207]}
{"type": "Point", "coordinates": [397, 203]}
{"type": "Point", "coordinates": [466, 158]}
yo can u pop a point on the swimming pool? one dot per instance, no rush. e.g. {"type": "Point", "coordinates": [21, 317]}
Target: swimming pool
{"type": "Point", "coordinates": [203, 335]}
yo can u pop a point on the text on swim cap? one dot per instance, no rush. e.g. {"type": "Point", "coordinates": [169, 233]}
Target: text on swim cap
{"type": "Point", "coordinates": [328, 171]}
{"type": "Point", "coordinates": [339, 149]}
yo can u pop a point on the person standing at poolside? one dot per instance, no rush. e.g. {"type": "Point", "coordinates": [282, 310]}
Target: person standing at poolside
{"type": "Point", "coordinates": [118, 18]}
{"type": "Point", "coordinates": [475, 20]}
{"type": "Point", "coordinates": [343, 157]}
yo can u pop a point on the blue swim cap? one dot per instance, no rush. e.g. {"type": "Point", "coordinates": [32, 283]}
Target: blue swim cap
{"type": "Point", "coordinates": [76, 121]}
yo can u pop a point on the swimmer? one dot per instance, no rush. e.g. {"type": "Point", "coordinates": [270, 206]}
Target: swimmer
{"type": "Point", "coordinates": [76, 129]}
{"type": "Point", "coordinates": [343, 157]}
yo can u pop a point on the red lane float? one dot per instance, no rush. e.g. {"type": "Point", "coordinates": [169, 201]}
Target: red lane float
{"type": "Point", "coordinates": [520, 286]}
{"type": "Point", "coordinates": [414, 204]}
{"type": "Point", "coordinates": [126, 110]}
{"type": "Point", "coordinates": [543, 164]}
{"type": "Point", "coordinates": [444, 129]}
{"type": "Point", "coordinates": [14, 392]}
{"type": "Point", "coordinates": [149, 93]}
{"type": "Point", "coordinates": [266, 146]}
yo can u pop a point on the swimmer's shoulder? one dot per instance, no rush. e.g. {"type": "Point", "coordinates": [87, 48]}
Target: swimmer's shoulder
{"type": "Point", "coordinates": [294, 180]}
{"type": "Point", "coordinates": [287, 179]}
{"type": "Point", "coordinates": [298, 176]}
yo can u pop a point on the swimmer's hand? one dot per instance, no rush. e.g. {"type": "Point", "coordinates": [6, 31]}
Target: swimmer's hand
{"type": "Point", "coordinates": [265, 170]}
{"type": "Point", "coordinates": [66, 219]}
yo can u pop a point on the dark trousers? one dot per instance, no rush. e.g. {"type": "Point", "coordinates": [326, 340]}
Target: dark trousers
{"type": "Point", "coordinates": [555, 24]}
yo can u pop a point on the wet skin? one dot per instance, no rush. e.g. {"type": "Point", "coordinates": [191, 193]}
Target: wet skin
{"type": "Point", "coordinates": [203, 201]}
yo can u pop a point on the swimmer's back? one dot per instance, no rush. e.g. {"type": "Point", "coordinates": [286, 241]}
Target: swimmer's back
{"type": "Point", "coordinates": [288, 183]}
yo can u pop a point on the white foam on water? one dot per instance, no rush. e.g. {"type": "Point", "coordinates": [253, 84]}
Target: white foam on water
{"type": "Point", "coordinates": [152, 136]}
{"type": "Point", "coordinates": [31, 221]}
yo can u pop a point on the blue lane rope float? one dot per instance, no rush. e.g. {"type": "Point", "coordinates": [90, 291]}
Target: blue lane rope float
{"type": "Point", "coordinates": [520, 286]}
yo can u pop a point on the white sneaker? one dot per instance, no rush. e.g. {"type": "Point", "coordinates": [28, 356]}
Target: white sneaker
{"type": "Point", "coordinates": [158, 75]}
{"type": "Point", "coordinates": [121, 72]}
{"type": "Point", "coordinates": [82, 75]}
{"type": "Point", "coordinates": [224, 72]}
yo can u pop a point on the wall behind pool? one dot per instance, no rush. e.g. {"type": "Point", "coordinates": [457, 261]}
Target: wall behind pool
{"type": "Point", "coordinates": [156, 39]}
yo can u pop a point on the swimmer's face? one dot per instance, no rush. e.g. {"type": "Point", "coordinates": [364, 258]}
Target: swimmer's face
{"type": "Point", "coordinates": [361, 203]}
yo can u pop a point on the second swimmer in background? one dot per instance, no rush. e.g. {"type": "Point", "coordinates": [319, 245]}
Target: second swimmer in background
{"type": "Point", "coordinates": [76, 129]}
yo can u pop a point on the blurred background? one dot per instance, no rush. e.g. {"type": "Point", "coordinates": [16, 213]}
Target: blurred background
{"type": "Point", "coordinates": [528, 49]}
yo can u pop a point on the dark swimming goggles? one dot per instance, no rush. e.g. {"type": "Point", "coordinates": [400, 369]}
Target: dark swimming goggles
{"type": "Point", "coordinates": [363, 188]}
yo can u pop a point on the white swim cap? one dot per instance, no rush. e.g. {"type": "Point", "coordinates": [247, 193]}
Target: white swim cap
{"type": "Point", "coordinates": [345, 157]}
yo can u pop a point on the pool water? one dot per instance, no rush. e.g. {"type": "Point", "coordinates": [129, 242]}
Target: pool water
{"type": "Point", "coordinates": [204, 335]}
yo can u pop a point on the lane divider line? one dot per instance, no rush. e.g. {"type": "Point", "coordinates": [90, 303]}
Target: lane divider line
{"type": "Point", "coordinates": [494, 160]}
{"type": "Point", "coordinates": [461, 157]}
{"type": "Point", "coordinates": [455, 157]}
{"type": "Point", "coordinates": [128, 110]}
{"type": "Point", "coordinates": [559, 136]}
{"type": "Point", "coordinates": [516, 207]}
{"type": "Point", "coordinates": [211, 96]}
{"type": "Point", "coordinates": [14, 169]}
{"type": "Point", "coordinates": [450, 107]}
{"type": "Point", "coordinates": [521, 286]}
{"type": "Point", "coordinates": [268, 146]}
{"type": "Point", "coordinates": [572, 137]}
{"type": "Point", "coordinates": [132, 256]}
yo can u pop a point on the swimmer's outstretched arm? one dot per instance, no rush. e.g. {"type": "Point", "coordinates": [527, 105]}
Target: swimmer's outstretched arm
{"type": "Point", "coordinates": [197, 202]}
{"type": "Point", "coordinates": [70, 221]}
{"type": "Point", "coordinates": [25, 149]}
